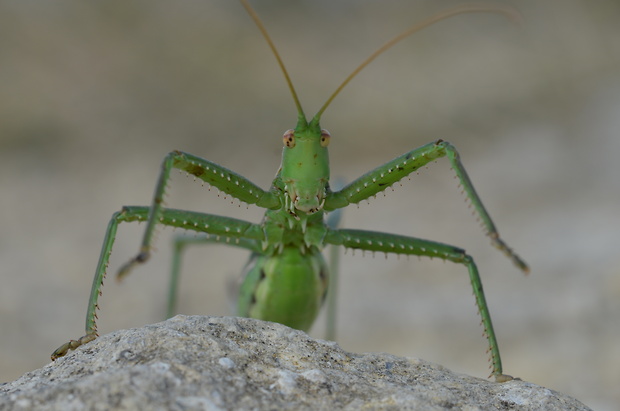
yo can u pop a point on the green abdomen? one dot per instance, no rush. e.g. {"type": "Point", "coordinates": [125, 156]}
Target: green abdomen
{"type": "Point", "coordinates": [287, 288]}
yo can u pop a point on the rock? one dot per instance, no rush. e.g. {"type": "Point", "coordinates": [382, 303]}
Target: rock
{"type": "Point", "coordinates": [223, 363]}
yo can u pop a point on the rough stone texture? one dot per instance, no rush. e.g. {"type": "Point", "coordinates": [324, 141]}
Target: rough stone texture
{"type": "Point", "coordinates": [217, 363]}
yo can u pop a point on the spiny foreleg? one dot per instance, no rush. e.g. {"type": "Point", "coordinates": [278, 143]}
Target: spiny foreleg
{"type": "Point", "coordinates": [223, 227]}
{"type": "Point", "coordinates": [384, 176]}
{"type": "Point", "coordinates": [393, 243]}
{"type": "Point", "coordinates": [215, 175]}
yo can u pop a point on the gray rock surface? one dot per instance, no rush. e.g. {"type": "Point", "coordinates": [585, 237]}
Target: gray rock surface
{"type": "Point", "coordinates": [222, 363]}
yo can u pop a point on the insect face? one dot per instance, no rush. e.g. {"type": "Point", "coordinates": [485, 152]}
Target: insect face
{"type": "Point", "coordinates": [305, 168]}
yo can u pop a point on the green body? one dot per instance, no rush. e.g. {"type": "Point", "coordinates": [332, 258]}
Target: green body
{"type": "Point", "coordinates": [286, 279]}
{"type": "Point", "coordinates": [270, 292]}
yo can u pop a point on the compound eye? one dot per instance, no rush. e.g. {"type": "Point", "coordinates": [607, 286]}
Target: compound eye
{"type": "Point", "coordinates": [289, 138]}
{"type": "Point", "coordinates": [325, 137]}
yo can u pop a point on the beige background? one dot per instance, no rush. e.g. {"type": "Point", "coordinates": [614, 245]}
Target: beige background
{"type": "Point", "coordinates": [93, 95]}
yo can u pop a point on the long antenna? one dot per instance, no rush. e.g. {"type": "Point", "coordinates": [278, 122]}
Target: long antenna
{"type": "Point", "coordinates": [510, 13]}
{"type": "Point", "coordinates": [261, 27]}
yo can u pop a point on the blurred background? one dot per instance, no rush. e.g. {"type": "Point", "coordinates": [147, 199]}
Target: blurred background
{"type": "Point", "coordinates": [94, 94]}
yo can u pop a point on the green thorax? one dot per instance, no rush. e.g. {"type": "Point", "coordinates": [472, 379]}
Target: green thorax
{"type": "Point", "coordinates": [302, 231]}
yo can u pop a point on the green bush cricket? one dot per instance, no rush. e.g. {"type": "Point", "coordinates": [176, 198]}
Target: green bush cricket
{"type": "Point", "coordinates": [286, 279]}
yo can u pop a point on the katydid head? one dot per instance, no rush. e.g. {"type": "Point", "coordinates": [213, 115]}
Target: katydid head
{"type": "Point", "coordinates": [305, 166]}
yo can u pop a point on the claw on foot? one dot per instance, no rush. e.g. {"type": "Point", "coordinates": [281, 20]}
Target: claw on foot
{"type": "Point", "coordinates": [142, 257]}
{"type": "Point", "coordinates": [72, 345]}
